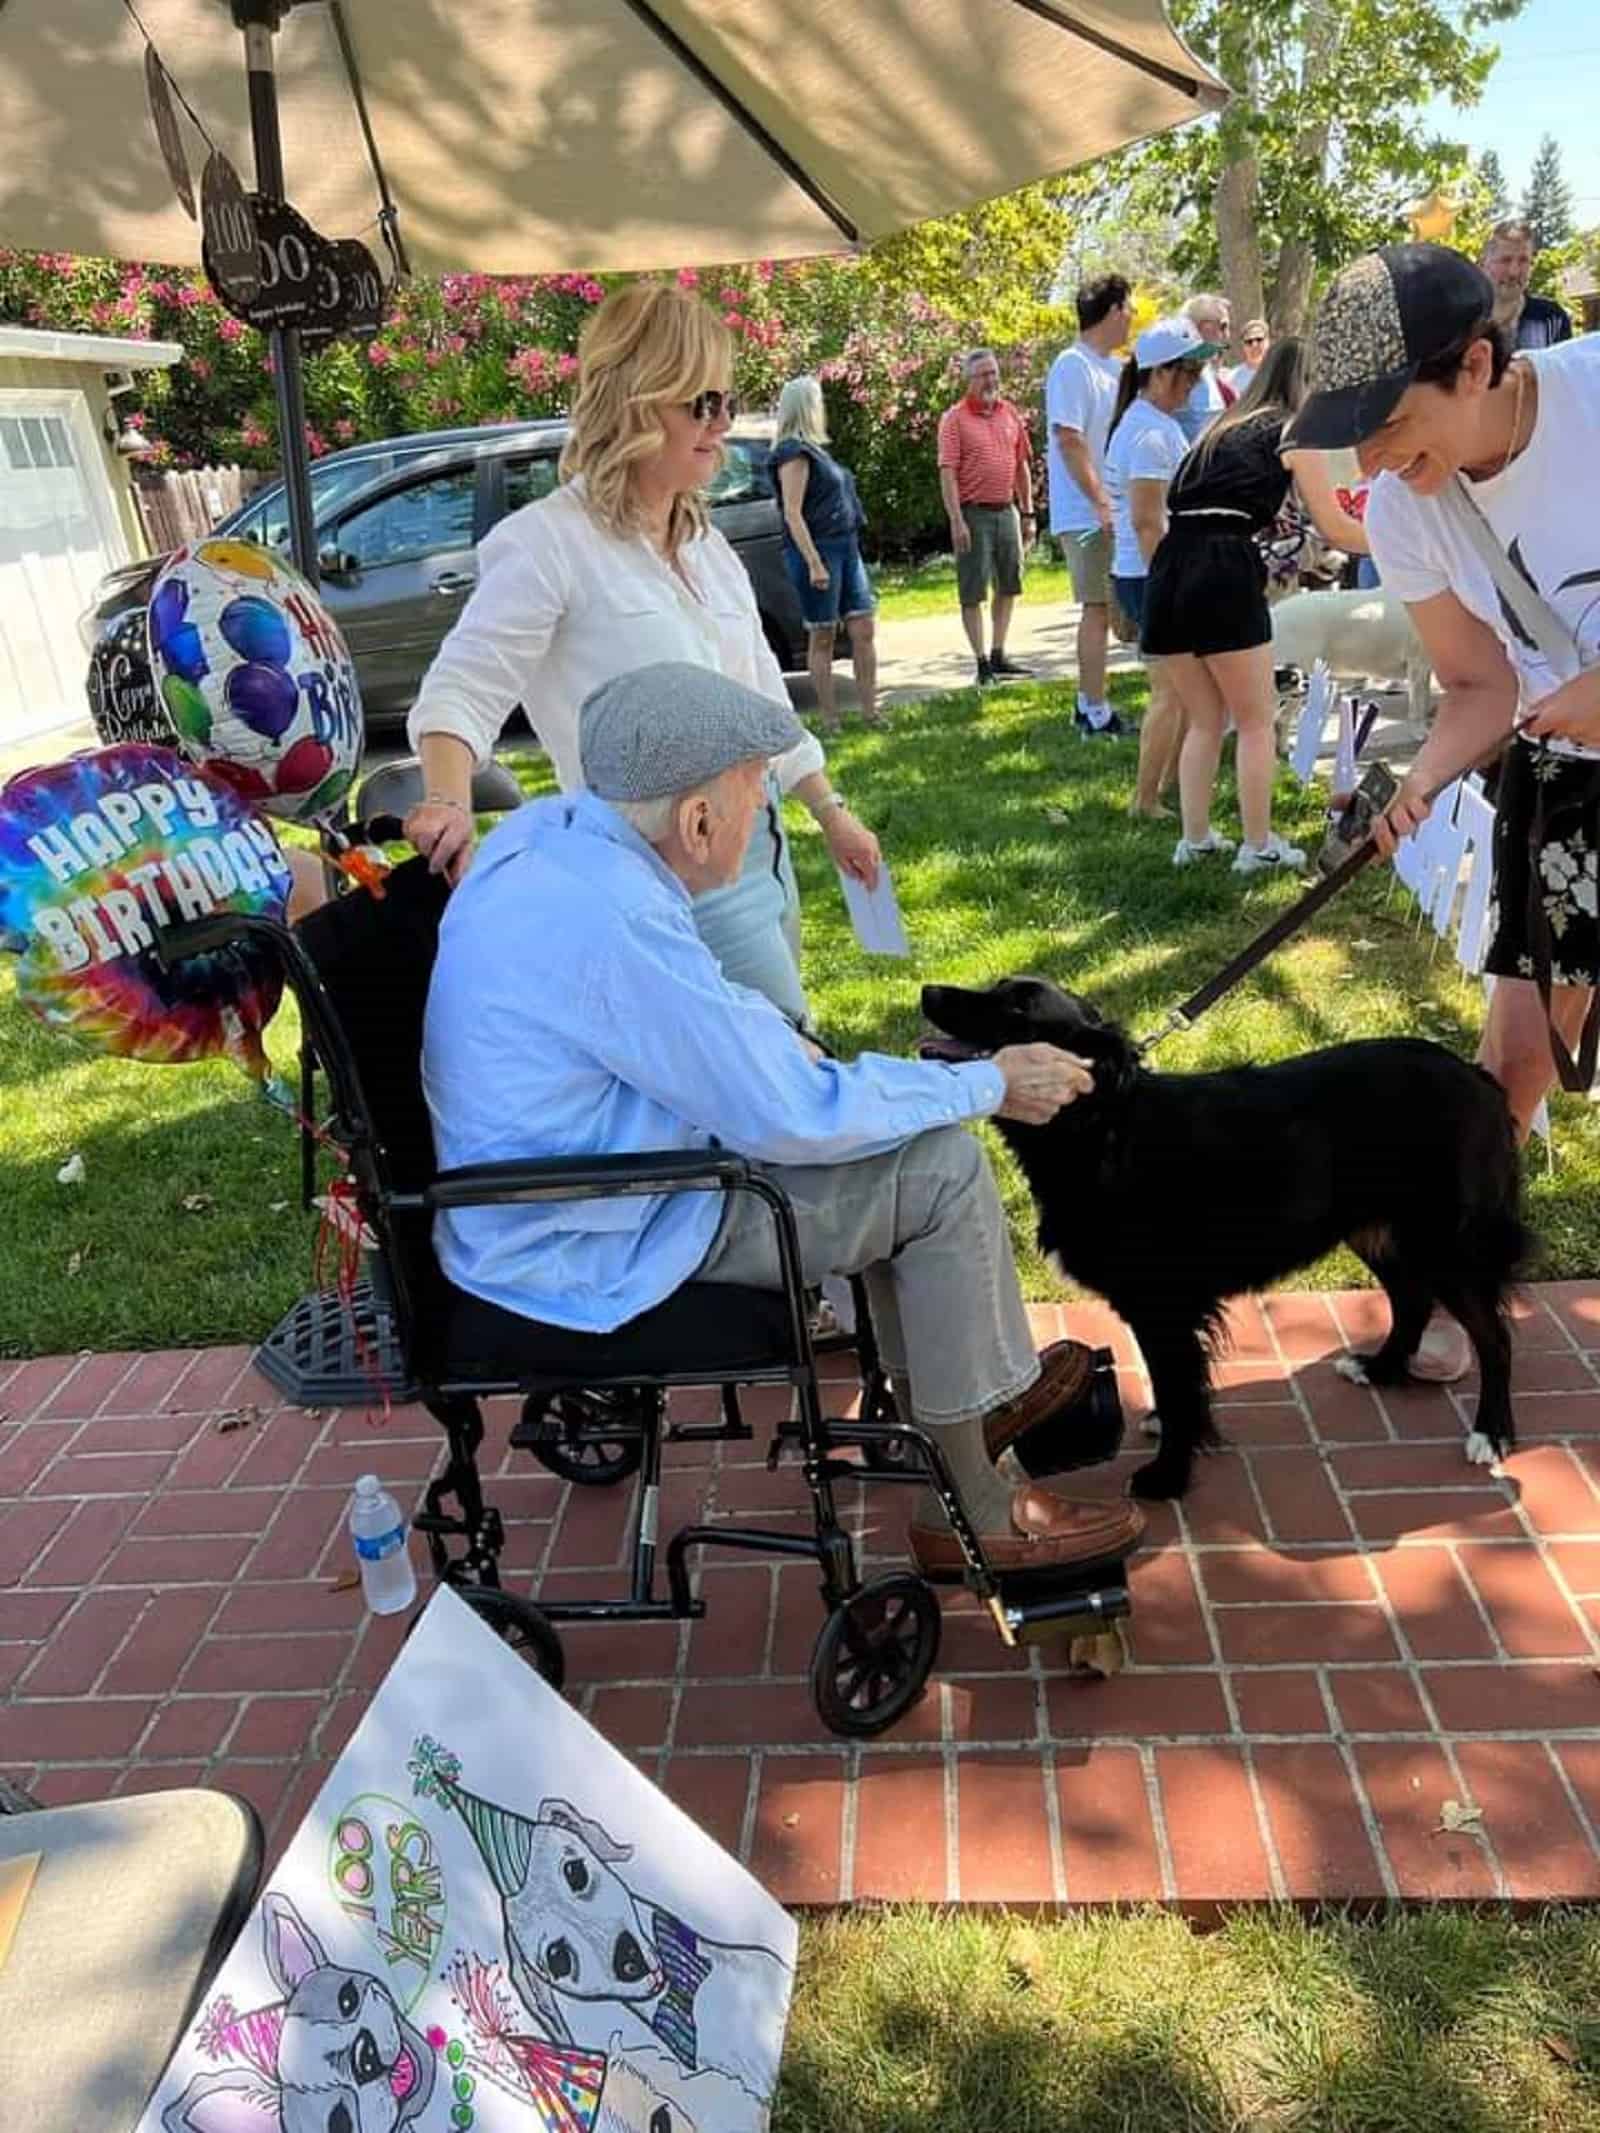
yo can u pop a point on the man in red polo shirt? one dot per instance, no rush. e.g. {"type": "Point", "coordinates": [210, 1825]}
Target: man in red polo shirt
{"type": "Point", "coordinates": [985, 475]}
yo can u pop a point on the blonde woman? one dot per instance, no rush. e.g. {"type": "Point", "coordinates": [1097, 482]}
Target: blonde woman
{"type": "Point", "coordinates": [618, 568]}
{"type": "Point", "coordinates": [822, 521]}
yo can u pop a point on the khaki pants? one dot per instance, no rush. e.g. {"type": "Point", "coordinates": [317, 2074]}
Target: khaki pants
{"type": "Point", "coordinates": [924, 1225]}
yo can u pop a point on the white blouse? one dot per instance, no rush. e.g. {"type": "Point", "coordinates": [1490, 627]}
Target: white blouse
{"type": "Point", "coordinates": [562, 605]}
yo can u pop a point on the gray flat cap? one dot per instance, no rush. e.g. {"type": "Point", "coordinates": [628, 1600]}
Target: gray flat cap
{"type": "Point", "coordinates": [670, 727]}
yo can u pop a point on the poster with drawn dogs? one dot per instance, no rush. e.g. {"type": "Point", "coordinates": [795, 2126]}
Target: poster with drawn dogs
{"type": "Point", "coordinates": [489, 1922]}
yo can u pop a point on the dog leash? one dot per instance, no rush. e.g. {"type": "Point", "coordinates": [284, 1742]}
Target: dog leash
{"type": "Point", "coordinates": [1267, 941]}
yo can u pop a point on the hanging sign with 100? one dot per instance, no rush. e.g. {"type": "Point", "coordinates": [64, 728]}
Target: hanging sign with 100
{"type": "Point", "coordinates": [231, 248]}
{"type": "Point", "coordinates": [305, 283]}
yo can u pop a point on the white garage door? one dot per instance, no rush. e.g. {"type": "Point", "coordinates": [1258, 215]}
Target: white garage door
{"type": "Point", "coordinates": [59, 535]}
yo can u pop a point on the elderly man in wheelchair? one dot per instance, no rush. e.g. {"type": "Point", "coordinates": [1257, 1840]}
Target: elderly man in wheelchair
{"type": "Point", "coordinates": [575, 1011]}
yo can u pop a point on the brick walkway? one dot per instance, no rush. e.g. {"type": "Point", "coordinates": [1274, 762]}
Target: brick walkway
{"type": "Point", "coordinates": [1344, 1627]}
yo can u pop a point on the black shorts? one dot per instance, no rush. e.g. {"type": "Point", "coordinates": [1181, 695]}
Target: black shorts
{"type": "Point", "coordinates": [1207, 592]}
{"type": "Point", "coordinates": [1561, 879]}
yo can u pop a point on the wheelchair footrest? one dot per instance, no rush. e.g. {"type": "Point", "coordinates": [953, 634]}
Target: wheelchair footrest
{"type": "Point", "coordinates": [320, 1354]}
{"type": "Point", "coordinates": [1031, 1608]}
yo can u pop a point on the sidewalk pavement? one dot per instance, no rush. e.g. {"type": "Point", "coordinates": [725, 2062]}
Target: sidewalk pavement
{"type": "Point", "coordinates": [1341, 1632]}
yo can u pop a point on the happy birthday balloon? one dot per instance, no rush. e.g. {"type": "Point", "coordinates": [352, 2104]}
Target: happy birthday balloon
{"type": "Point", "coordinates": [97, 851]}
{"type": "Point", "coordinates": [255, 677]}
{"type": "Point", "coordinates": [122, 692]}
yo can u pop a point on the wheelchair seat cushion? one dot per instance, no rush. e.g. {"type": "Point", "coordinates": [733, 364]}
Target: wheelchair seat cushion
{"type": "Point", "coordinates": [707, 1326]}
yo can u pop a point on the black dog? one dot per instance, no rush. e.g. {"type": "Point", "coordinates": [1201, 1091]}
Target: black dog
{"type": "Point", "coordinates": [1169, 1193]}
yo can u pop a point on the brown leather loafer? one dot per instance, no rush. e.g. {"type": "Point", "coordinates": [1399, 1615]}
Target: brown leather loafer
{"type": "Point", "coordinates": [1065, 1368]}
{"type": "Point", "coordinates": [1048, 1532]}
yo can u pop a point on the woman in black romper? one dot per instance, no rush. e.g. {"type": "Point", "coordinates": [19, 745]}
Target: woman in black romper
{"type": "Point", "coordinates": [1206, 603]}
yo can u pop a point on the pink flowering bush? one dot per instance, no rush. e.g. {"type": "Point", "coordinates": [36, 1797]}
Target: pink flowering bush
{"type": "Point", "coordinates": [478, 348]}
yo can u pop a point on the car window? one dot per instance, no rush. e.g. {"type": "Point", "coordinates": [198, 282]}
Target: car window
{"type": "Point", "coordinates": [529, 479]}
{"type": "Point", "coordinates": [430, 514]}
{"type": "Point", "coordinates": [742, 477]}
{"type": "Point", "coordinates": [267, 520]}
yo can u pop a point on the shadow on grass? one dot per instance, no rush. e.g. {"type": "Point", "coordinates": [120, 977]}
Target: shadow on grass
{"type": "Point", "coordinates": [1441, 2023]}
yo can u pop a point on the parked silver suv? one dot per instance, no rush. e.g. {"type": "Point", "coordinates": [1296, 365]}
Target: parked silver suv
{"type": "Point", "coordinates": [398, 527]}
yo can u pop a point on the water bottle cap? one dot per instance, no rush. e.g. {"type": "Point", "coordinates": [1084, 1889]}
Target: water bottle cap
{"type": "Point", "coordinates": [368, 1485]}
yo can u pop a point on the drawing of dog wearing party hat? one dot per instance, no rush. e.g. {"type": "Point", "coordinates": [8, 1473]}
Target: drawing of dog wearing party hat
{"type": "Point", "coordinates": [333, 2055]}
{"type": "Point", "coordinates": [576, 1931]}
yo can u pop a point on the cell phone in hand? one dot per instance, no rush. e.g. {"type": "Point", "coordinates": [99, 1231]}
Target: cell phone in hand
{"type": "Point", "coordinates": [1352, 826]}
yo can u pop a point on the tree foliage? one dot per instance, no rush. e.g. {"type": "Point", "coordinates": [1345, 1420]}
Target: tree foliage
{"type": "Point", "coordinates": [1322, 148]}
{"type": "Point", "coordinates": [885, 332]}
{"type": "Point", "coordinates": [1492, 178]}
{"type": "Point", "coordinates": [1547, 204]}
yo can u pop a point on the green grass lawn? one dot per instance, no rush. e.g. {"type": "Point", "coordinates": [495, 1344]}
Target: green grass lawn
{"type": "Point", "coordinates": [1011, 850]}
{"type": "Point", "coordinates": [929, 588]}
{"type": "Point", "coordinates": [1440, 2022]}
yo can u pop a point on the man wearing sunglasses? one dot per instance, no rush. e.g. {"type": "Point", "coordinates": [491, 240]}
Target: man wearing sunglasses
{"type": "Point", "coordinates": [986, 480]}
{"type": "Point", "coordinates": [1255, 341]}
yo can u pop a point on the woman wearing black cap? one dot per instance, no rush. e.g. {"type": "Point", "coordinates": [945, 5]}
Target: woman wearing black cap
{"type": "Point", "coordinates": [1484, 472]}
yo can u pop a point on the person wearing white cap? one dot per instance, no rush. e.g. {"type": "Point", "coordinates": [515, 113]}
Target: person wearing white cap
{"type": "Point", "coordinates": [1143, 451]}
{"type": "Point", "coordinates": [575, 1010]}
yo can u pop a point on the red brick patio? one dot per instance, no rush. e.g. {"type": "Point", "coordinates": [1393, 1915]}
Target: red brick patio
{"type": "Point", "coordinates": [1344, 1627]}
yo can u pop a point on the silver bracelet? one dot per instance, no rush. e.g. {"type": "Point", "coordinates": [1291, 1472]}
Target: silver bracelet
{"type": "Point", "coordinates": [445, 799]}
{"type": "Point", "coordinates": [832, 799]}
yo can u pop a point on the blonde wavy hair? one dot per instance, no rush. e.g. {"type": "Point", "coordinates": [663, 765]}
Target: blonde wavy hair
{"type": "Point", "coordinates": [646, 347]}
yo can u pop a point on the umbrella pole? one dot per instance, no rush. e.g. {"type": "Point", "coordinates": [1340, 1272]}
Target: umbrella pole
{"type": "Point", "coordinates": [259, 20]}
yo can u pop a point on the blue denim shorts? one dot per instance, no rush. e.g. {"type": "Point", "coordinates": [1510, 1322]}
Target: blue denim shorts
{"type": "Point", "coordinates": [848, 590]}
{"type": "Point", "coordinates": [1130, 598]}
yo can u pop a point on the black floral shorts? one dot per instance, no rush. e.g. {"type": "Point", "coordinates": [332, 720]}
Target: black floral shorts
{"type": "Point", "coordinates": [1560, 793]}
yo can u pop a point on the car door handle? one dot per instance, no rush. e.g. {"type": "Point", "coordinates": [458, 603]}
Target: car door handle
{"type": "Point", "coordinates": [453, 581]}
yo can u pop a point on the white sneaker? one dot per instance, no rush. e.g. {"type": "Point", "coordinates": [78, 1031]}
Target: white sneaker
{"type": "Point", "coordinates": [1186, 853]}
{"type": "Point", "coordinates": [1273, 857]}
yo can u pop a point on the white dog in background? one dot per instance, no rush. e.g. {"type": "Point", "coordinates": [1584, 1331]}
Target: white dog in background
{"type": "Point", "coordinates": [1364, 638]}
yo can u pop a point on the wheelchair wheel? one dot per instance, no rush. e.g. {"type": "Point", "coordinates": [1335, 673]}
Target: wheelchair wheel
{"type": "Point", "coordinates": [517, 1622]}
{"type": "Point", "coordinates": [593, 1462]}
{"type": "Point", "coordinates": [874, 1655]}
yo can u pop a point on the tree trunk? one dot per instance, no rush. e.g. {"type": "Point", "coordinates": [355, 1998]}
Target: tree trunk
{"type": "Point", "coordinates": [1297, 262]}
{"type": "Point", "coordinates": [1238, 238]}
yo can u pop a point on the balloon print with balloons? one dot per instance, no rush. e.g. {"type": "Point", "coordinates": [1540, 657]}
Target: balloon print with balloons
{"type": "Point", "coordinates": [256, 677]}
{"type": "Point", "coordinates": [98, 851]}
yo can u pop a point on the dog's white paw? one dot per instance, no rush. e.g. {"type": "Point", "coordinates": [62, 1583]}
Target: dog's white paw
{"type": "Point", "coordinates": [1353, 1367]}
{"type": "Point", "coordinates": [1150, 1424]}
{"type": "Point", "coordinates": [1480, 1451]}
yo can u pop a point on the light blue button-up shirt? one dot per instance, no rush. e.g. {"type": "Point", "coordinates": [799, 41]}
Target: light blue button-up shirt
{"type": "Point", "coordinates": [574, 1010]}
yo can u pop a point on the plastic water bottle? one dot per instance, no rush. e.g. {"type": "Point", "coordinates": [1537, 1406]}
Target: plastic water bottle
{"type": "Point", "coordinates": [378, 1529]}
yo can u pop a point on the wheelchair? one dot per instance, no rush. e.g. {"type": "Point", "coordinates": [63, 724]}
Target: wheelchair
{"type": "Point", "coordinates": [595, 1405]}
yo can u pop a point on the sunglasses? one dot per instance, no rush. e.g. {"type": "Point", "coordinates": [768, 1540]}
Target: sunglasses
{"type": "Point", "coordinates": [1255, 340]}
{"type": "Point", "coordinates": [711, 406]}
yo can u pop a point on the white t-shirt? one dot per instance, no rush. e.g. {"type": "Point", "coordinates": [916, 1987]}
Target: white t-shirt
{"type": "Point", "coordinates": [1241, 378]}
{"type": "Point", "coordinates": [1202, 407]}
{"type": "Point", "coordinates": [1079, 394]}
{"type": "Point", "coordinates": [1542, 509]}
{"type": "Point", "coordinates": [1145, 446]}
{"type": "Point", "coordinates": [562, 605]}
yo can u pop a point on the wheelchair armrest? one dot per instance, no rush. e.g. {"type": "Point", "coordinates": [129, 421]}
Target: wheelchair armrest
{"type": "Point", "coordinates": [528, 1182]}
{"type": "Point", "coordinates": [199, 936]}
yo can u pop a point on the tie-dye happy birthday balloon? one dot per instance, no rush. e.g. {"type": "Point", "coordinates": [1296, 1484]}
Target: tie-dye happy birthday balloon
{"type": "Point", "coordinates": [96, 852]}
{"type": "Point", "coordinates": [255, 677]}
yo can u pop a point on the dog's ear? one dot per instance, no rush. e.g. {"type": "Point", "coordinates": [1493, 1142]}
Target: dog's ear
{"type": "Point", "coordinates": [566, 1816]}
{"type": "Point", "coordinates": [291, 1948]}
{"type": "Point", "coordinates": [236, 2100]}
{"type": "Point", "coordinates": [536, 1993]}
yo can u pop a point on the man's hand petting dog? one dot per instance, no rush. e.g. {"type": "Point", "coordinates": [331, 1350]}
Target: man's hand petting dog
{"type": "Point", "coordinates": [1040, 1080]}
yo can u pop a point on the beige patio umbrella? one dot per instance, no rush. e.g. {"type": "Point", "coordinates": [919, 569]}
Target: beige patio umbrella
{"type": "Point", "coordinates": [538, 135]}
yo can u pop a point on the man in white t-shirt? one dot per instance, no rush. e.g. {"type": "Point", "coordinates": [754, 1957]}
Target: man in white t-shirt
{"type": "Point", "coordinates": [1409, 366]}
{"type": "Point", "coordinates": [1079, 394]}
